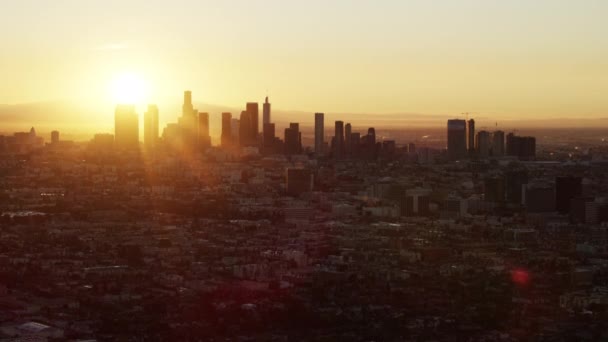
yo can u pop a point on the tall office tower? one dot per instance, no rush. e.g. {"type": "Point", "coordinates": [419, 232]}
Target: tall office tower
{"type": "Point", "coordinates": [266, 112]}
{"type": "Point", "coordinates": [348, 130]}
{"type": "Point", "coordinates": [523, 148]}
{"type": "Point", "coordinates": [498, 143]}
{"type": "Point", "coordinates": [411, 148]}
{"type": "Point", "coordinates": [187, 107]}
{"type": "Point", "coordinates": [235, 127]}
{"type": "Point", "coordinates": [204, 139]}
{"type": "Point", "coordinates": [355, 143]}
{"type": "Point", "coordinates": [254, 123]}
{"type": "Point", "coordinates": [268, 138]}
{"type": "Point", "coordinates": [457, 139]}
{"type": "Point", "coordinates": [296, 127]}
{"type": "Point", "coordinates": [54, 137]}
{"type": "Point", "coordinates": [319, 133]}
{"type": "Point", "coordinates": [126, 127]}
{"type": "Point", "coordinates": [371, 136]}
{"type": "Point", "coordinates": [245, 129]}
{"type": "Point", "coordinates": [226, 129]}
{"type": "Point", "coordinates": [292, 137]}
{"type": "Point", "coordinates": [483, 144]}
{"type": "Point", "coordinates": [151, 127]}
{"type": "Point", "coordinates": [566, 189]}
{"type": "Point", "coordinates": [338, 139]}
{"type": "Point", "coordinates": [471, 136]}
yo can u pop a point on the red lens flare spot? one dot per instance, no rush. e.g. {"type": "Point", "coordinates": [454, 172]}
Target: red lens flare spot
{"type": "Point", "coordinates": [520, 277]}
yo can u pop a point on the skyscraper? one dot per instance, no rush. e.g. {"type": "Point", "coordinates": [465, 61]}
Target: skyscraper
{"type": "Point", "coordinates": [471, 136]}
{"type": "Point", "coordinates": [245, 129]}
{"type": "Point", "coordinates": [347, 137]}
{"type": "Point", "coordinates": [266, 112]}
{"type": "Point", "coordinates": [203, 130]}
{"type": "Point", "coordinates": [319, 133]}
{"type": "Point", "coordinates": [151, 127]}
{"type": "Point", "coordinates": [498, 143]}
{"type": "Point", "coordinates": [338, 139]}
{"type": "Point", "coordinates": [126, 127]}
{"type": "Point", "coordinates": [54, 137]}
{"type": "Point", "coordinates": [292, 138]}
{"type": "Point", "coordinates": [457, 139]}
{"type": "Point", "coordinates": [483, 144]}
{"type": "Point", "coordinates": [254, 123]}
{"type": "Point", "coordinates": [187, 107]}
{"type": "Point", "coordinates": [226, 129]}
{"type": "Point", "coordinates": [268, 138]}
{"type": "Point", "coordinates": [188, 124]}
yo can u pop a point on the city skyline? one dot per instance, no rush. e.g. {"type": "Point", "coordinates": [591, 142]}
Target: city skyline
{"type": "Point", "coordinates": [507, 60]}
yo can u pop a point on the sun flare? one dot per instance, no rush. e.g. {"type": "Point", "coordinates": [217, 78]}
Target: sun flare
{"type": "Point", "coordinates": [128, 88]}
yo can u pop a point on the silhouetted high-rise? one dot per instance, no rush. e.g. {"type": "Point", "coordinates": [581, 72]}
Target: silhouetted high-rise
{"type": "Point", "coordinates": [204, 139]}
{"type": "Point", "coordinates": [253, 124]}
{"type": "Point", "coordinates": [151, 127]}
{"type": "Point", "coordinates": [338, 139]}
{"type": "Point", "coordinates": [483, 144]}
{"type": "Point", "coordinates": [319, 133]}
{"type": "Point", "coordinates": [226, 129]}
{"type": "Point", "coordinates": [471, 136]}
{"type": "Point", "coordinates": [126, 127]}
{"type": "Point", "coordinates": [523, 148]}
{"type": "Point", "coordinates": [245, 129]}
{"type": "Point", "coordinates": [266, 112]}
{"type": "Point", "coordinates": [292, 139]}
{"type": "Point", "coordinates": [347, 136]}
{"type": "Point", "coordinates": [498, 143]}
{"type": "Point", "coordinates": [54, 137]}
{"type": "Point", "coordinates": [457, 139]}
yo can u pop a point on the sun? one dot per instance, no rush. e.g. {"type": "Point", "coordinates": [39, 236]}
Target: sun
{"type": "Point", "coordinates": [128, 88]}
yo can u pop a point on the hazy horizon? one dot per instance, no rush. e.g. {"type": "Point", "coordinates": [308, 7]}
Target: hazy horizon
{"type": "Point", "coordinates": [497, 59]}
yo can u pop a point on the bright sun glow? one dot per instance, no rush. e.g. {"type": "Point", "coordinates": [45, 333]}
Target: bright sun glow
{"type": "Point", "coordinates": [128, 89]}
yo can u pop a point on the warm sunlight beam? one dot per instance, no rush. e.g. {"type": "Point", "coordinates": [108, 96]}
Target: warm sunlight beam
{"type": "Point", "coordinates": [128, 88]}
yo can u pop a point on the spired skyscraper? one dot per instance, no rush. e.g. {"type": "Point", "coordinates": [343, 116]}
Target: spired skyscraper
{"type": "Point", "coordinates": [151, 127]}
{"type": "Point", "coordinates": [471, 136]}
{"type": "Point", "coordinates": [457, 139]}
{"type": "Point", "coordinates": [126, 127]}
{"type": "Point", "coordinates": [266, 112]}
{"type": "Point", "coordinates": [319, 133]}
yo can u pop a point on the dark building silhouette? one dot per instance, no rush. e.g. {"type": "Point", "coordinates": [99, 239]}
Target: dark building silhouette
{"type": "Point", "coordinates": [338, 147]}
{"type": "Point", "coordinates": [319, 133]}
{"type": "Point", "coordinates": [293, 139]}
{"type": "Point", "coordinates": [347, 139]}
{"type": "Point", "coordinates": [269, 138]}
{"type": "Point", "coordinates": [226, 129]}
{"type": "Point", "coordinates": [471, 136]}
{"type": "Point", "coordinates": [457, 139]}
{"type": "Point", "coordinates": [498, 143]}
{"type": "Point", "coordinates": [266, 119]}
{"type": "Point", "coordinates": [523, 148]}
{"type": "Point", "coordinates": [126, 127]}
{"type": "Point", "coordinates": [566, 188]}
{"type": "Point", "coordinates": [151, 127]}
{"type": "Point", "coordinates": [54, 137]}
{"type": "Point", "coordinates": [298, 181]}
{"type": "Point", "coordinates": [483, 144]}
{"type": "Point", "coordinates": [253, 123]}
{"type": "Point", "coordinates": [245, 129]}
{"type": "Point", "coordinates": [204, 139]}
